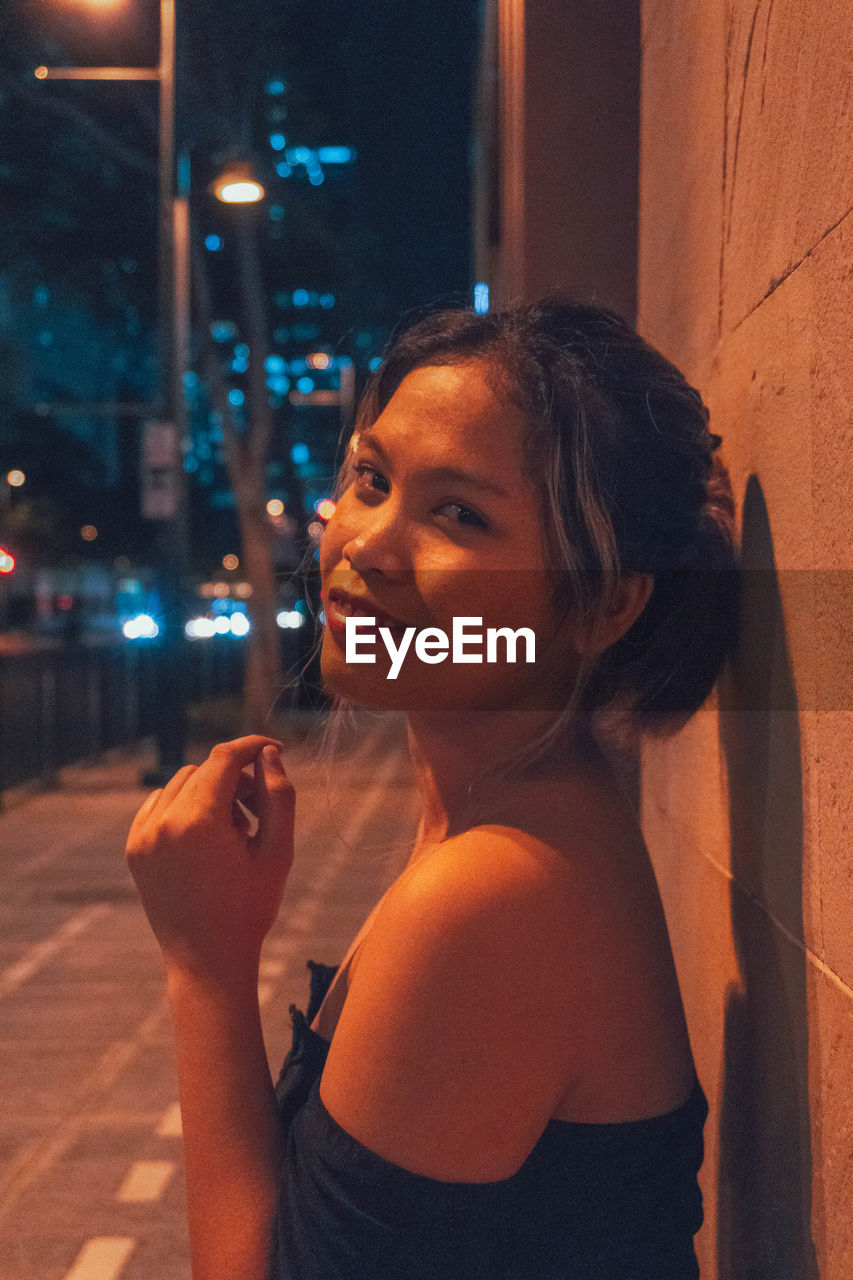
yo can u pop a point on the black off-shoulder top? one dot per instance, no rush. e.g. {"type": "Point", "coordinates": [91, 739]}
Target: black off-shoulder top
{"type": "Point", "coordinates": [591, 1201]}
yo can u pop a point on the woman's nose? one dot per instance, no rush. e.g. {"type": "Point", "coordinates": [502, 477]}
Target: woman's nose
{"type": "Point", "coordinates": [378, 544]}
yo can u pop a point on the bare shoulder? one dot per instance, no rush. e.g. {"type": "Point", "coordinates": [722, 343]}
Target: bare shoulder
{"type": "Point", "coordinates": [451, 1050]}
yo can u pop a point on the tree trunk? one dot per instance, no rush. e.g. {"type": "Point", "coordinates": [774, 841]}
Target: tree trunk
{"type": "Point", "coordinates": [263, 681]}
{"type": "Point", "coordinates": [246, 455]}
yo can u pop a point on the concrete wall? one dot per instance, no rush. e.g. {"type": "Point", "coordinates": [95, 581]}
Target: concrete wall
{"type": "Point", "coordinates": [556, 150]}
{"type": "Point", "coordinates": [745, 252]}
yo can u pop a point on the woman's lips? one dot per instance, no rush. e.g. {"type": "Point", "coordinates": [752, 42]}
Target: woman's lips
{"type": "Point", "coordinates": [339, 606]}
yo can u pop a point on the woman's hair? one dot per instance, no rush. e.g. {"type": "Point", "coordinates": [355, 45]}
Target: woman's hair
{"type": "Point", "coordinates": [618, 444]}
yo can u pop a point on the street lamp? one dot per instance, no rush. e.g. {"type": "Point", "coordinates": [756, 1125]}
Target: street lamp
{"type": "Point", "coordinates": [173, 295]}
{"type": "Point", "coordinates": [236, 185]}
{"type": "Point", "coordinates": [174, 334]}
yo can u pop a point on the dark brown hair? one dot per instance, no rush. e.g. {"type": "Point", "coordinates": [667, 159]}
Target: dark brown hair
{"type": "Point", "coordinates": [619, 444]}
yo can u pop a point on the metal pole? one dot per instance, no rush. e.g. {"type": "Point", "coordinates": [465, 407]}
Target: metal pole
{"type": "Point", "coordinates": [166, 241]}
{"type": "Point", "coordinates": [174, 322]}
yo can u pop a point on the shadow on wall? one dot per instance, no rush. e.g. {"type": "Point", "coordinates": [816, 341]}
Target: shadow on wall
{"type": "Point", "coordinates": [765, 1150]}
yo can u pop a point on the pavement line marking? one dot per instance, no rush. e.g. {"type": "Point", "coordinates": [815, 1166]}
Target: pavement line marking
{"type": "Point", "coordinates": [146, 1180]}
{"type": "Point", "coordinates": [170, 1125]}
{"type": "Point", "coordinates": [101, 1258]}
{"type": "Point", "coordinates": [39, 1157]}
{"type": "Point", "coordinates": [37, 956]}
{"type": "Point", "coordinates": [44, 1153]}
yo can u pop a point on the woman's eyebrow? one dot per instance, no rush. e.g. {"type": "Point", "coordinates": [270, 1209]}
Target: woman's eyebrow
{"type": "Point", "coordinates": [443, 474]}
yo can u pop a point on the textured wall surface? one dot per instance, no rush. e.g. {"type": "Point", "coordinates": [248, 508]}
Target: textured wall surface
{"type": "Point", "coordinates": [556, 157]}
{"type": "Point", "coordinates": [745, 264]}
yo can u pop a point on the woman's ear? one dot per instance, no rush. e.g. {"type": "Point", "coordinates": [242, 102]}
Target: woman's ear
{"type": "Point", "coordinates": [631, 598]}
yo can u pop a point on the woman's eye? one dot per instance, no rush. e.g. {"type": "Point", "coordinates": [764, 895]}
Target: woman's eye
{"type": "Point", "coordinates": [366, 477]}
{"type": "Point", "coordinates": [369, 480]}
{"type": "Point", "coordinates": [465, 515]}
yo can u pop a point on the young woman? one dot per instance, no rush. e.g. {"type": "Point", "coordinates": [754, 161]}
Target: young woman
{"type": "Point", "coordinates": [498, 1081]}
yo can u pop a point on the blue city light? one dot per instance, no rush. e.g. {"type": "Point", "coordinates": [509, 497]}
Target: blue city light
{"type": "Point", "coordinates": [278, 141]}
{"type": "Point", "coordinates": [190, 463]}
{"type": "Point", "coordinates": [316, 177]}
{"type": "Point", "coordinates": [241, 351]}
{"type": "Point", "coordinates": [235, 397]}
{"type": "Point", "coordinates": [276, 87]}
{"type": "Point", "coordinates": [283, 169]}
{"type": "Point", "coordinates": [275, 364]}
{"type": "Point", "coordinates": [276, 213]}
{"type": "Point", "coordinates": [305, 385]}
{"type": "Point", "coordinates": [375, 364]}
{"type": "Point", "coordinates": [239, 364]}
{"type": "Point", "coordinates": [300, 453]}
{"type": "Point", "coordinates": [481, 298]}
{"type": "Point", "coordinates": [190, 379]}
{"type": "Point", "coordinates": [334, 155]}
{"type": "Point", "coordinates": [279, 383]}
{"type": "Point", "coordinates": [223, 330]}
{"type": "Point", "coordinates": [213, 243]}
{"type": "Point", "coordinates": [299, 155]}
{"type": "Point", "coordinates": [327, 301]}
{"type": "Point", "coordinates": [301, 297]}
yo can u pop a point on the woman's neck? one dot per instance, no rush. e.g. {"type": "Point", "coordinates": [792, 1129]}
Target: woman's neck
{"type": "Point", "coordinates": [456, 756]}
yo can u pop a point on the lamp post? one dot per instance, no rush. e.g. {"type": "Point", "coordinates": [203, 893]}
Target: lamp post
{"type": "Point", "coordinates": [173, 333]}
{"type": "Point", "coordinates": [174, 256]}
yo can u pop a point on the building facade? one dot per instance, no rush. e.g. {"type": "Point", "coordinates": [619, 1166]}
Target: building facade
{"type": "Point", "coordinates": [688, 163]}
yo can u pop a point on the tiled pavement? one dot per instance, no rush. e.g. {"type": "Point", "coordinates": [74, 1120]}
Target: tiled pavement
{"type": "Point", "coordinates": [91, 1186]}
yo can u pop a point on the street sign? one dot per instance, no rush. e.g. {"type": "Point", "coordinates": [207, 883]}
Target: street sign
{"type": "Point", "coordinates": [161, 476]}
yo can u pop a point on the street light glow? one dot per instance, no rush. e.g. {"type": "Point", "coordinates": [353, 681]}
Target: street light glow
{"type": "Point", "coordinates": [15, 478]}
{"type": "Point", "coordinates": [142, 627]}
{"type": "Point", "coordinates": [275, 507]}
{"type": "Point", "coordinates": [88, 533]}
{"type": "Point", "coordinates": [239, 192]}
{"type": "Point", "coordinates": [230, 562]}
{"type": "Point", "coordinates": [7, 561]}
{"type": "Point", "coordinates": [237, 186]}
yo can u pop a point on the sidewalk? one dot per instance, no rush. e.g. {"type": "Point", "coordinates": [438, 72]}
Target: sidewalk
{"type": "Point", "coordinates": [90, 1178]}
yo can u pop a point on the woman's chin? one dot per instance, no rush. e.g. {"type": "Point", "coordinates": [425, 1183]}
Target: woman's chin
{"type": "Point", "coordinates": [419, 687]}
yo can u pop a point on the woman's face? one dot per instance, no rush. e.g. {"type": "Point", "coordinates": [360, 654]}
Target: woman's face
{"type": "Point", "coordinates": [439, 522]}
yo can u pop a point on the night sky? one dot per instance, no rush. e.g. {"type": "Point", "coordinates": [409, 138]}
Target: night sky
{"type": "Point", "coordinates": [78, 218]}
{"type": "Point", "coordinates": [403, 94]}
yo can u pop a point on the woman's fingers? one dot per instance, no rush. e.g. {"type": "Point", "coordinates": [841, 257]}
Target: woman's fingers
{"type": "Point", "coordinates": [158, 800]}
{"type": "Point", "coordinates": [216, 782]}
{"type": "Point", "coordinates": [276, 801]}
{"type": "Point", "coordinates": [239, 817]}
{"type": "Point", "coordinates": [171, 789]}
{"type": "Point", "coordinates": [144, 810]}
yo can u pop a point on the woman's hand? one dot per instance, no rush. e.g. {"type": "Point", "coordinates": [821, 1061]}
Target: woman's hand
{"type": "Point", "coordinates": [211, 890]}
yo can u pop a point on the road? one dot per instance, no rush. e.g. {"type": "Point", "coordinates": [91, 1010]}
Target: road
{"type": "Point", "coordinates": [91, 1185]}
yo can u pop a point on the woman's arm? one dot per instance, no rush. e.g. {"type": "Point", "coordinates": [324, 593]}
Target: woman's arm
{"type": "Point", "coordinates": [230, 1126]}
{"type": "Point", "coordinates": [454, 1045]}
{"type": "Point", "coordinates": [211, 894]}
